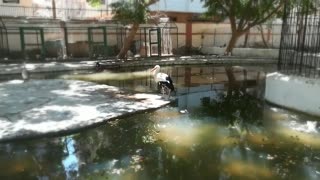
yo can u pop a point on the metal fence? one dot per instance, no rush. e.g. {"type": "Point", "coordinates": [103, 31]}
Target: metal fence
{"type": "Point", "coordinates": [300, 42]}
{"type": "Point", "coordinates": [41, 39]}
{"type": "Point", "coordinates": [4, 48]}
{"type": "Point", "coordinates": [264, 36]}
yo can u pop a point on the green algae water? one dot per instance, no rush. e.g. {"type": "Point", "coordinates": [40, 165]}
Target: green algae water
{"type": "Point", "coordinates": [205, 133]}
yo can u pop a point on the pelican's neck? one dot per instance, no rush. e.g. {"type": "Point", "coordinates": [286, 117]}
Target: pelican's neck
{"type": "Point", "coordinates": [155, 72]}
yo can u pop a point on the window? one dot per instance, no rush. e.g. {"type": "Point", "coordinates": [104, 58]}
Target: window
{"type": "Point", "coordinates": [173, 19]}
{"type": "Point", "coordinates": [11, 1]}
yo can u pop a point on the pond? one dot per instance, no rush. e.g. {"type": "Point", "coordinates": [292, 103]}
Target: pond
{"type": "Point", "coordinates": [204, 134]}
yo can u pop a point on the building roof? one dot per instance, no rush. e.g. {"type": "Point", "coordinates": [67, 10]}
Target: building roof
{"type": "Point", "coordinates": [189, 6]}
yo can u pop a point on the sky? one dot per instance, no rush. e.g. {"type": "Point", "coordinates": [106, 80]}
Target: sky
{"type": "Point", "coordinates": [163, 5]}
{"type": "Point", "coordinates": [179, 6]}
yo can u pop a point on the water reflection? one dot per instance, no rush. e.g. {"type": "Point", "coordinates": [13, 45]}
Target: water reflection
{"type": "Point", "coordinates": [191, 97]}
{"type": "Point", "coordinates": [70, 162]}
{"type": "Point", "coordinates": [205, 134]}
{"type": "Point", "coordinates": [31, 160]}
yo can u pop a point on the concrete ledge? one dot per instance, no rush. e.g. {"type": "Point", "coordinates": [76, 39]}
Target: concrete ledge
{"type": "Point", "coordinates": [243, 52]}
{"type": "Point", "coordinates": [11, 69]}
{"type": "Point", "coordinates": [298, 93]}
{"type": "Point", "coordinates": [46, 67]}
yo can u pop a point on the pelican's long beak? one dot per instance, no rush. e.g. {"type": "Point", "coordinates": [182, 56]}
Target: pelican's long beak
{"type": "Point", "coordinates": [153, 69]}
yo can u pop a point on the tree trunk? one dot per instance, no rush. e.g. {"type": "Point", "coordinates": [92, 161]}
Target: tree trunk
{"type": "Point", "coordinates": [231, 80]}
{"type": "Point", "coordinates": [128, 41]}
{"type": "Point", "coordinates": [246, 38]}
{"type": "Point", "coordinates": [187, 76]}
{"type": "Point", "coordinates": [260, 28]}
{"type": "Point", "coordinates": [244, 81]}
{"type": "Point", "coordinates": [64, 44]}
{"type": "Point", "coordinates": [300, 32]}
{"type": "Point", "coordinates": [54, 13]}
{"type": "Point", "coordinates": [232, 42]}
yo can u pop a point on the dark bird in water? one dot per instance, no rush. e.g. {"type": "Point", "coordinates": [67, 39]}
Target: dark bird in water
{"type": "Point", "coordinates": [164, 81]}
{"type": "Point", "coordinates": [98, 66]}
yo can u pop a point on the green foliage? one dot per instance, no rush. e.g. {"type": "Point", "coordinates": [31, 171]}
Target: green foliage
{"type": "Point", "coordinates": [246, 10]}
{"type": "Point", "coordinates": [252, 12]}
{"type": "Point", "coordinates": [94, 3]}
{"type": "Point", "coordinates": [245, 14]}
{"type": "Point", "coordinates": [130, 11]}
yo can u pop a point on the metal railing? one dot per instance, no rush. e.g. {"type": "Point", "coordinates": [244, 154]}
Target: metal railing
{"type": "Point", "coordinates": [75, 39]}
{"type": "Point", "coordinates": [4, 46]}
{"type": "Point", "coordinates": [61, 13]}
{"type": "Point", "coordinates": [300, 42]}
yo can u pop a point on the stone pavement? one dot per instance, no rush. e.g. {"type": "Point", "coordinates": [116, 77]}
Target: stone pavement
{"type": "Point", "coordinates": [38, 108]}
{"type": "Point", "coordinates": [15, 68]}
{"type": "Point", "coordinates": [39, 67]}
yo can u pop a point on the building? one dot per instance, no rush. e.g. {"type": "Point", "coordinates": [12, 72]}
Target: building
{"type": "Point", "coordinates": [179, 10]}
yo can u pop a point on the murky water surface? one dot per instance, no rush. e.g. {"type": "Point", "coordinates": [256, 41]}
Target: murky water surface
{"type": "Point", "coordinates": [204, 134]}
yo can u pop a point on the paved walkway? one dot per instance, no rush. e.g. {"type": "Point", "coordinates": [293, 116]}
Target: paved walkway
{"type": "Point", "coordinates": [15, 68]}
{"type": "Point", "coordinates": [37, 108]}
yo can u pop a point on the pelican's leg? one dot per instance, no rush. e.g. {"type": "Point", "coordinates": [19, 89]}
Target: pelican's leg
{"type": "Point", "coordinates": [167, 92]}
{"type": "Point", "coordinates": [162, 90]}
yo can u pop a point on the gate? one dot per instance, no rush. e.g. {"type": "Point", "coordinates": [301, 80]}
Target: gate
{"type": "Point", "coordinates": [97, 39]}
{"type": "Point", "coordinates": [300, 41]}
{"type": "Point", "coordinates": [155, 42]}
{"type": "Point", "coordinates": [32, 42]}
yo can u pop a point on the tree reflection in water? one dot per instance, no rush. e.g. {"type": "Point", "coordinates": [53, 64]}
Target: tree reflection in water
{"type": "Point", "coordinates": [234, 109]}
{"type": "Point", "coordinates": [165, 144]}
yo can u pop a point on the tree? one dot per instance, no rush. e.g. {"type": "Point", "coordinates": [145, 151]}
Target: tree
{"type": "Point", "coordinates": [243, 14]}
{"type": "Point", "coordinates": [54, 11]}
{"type": "Point", "coordinates": [130, 11]}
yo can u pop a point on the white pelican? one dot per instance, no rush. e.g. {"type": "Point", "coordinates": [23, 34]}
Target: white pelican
{"type": "Point", "coordinates": [163, 81]}
{"type": "Point", "coordinates": [24, 72]}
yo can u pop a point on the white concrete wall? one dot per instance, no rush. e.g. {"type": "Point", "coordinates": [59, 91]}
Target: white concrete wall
{"type": "Point", "coordinates": [52, 32]}
{"type": "Point", "coordinates": [243, 52]}
{"type": "Point", "coordinates": [181, 34]}
{"type": "Point", "coordinates": [212, 34]}
{"type": "Point", "coordinates": [203, 33]}
{"type": "Point", "coordinates": [15, 9]}
{"type": "Point", "coordinates": [21, 3]}
{"type": "Point", "coordinates": [294, 92]}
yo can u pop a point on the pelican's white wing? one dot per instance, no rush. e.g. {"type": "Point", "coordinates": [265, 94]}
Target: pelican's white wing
{"type": "Point", "coordinates": [161, 77]}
